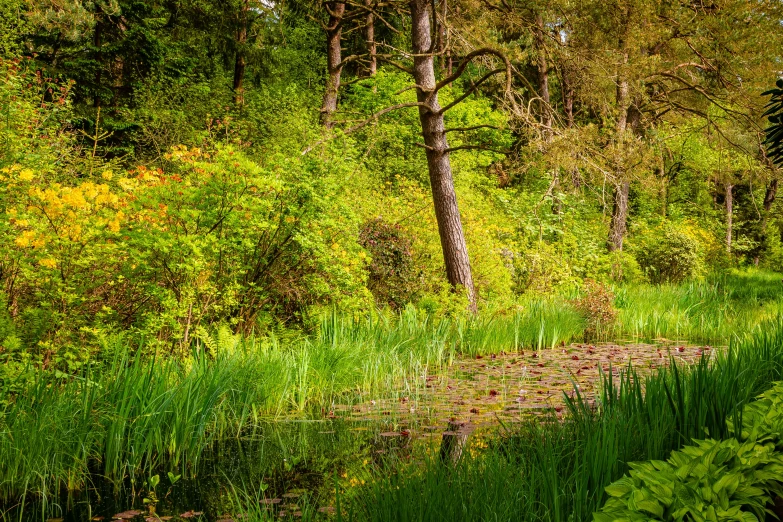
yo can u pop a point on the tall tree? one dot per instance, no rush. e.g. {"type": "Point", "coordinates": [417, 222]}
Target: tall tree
{"type": "Point", "coordinates": [369, 38]}
{"type": "Point", "coordinates": [334, 61]}
{"type": "Point", "coordinates": [240, 61]}
{"type": "Point", "coordinates": [433, 129]}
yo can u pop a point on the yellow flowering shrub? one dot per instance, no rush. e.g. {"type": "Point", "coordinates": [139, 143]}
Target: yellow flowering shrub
{"type": "Point", "coordinates": [217, 239]}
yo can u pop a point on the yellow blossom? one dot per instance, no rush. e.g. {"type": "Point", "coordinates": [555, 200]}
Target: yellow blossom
{"type": "Point", "coordinates": [107, 175]}
{"type": "Point", "coordinates": [25, 239]}
{"type": "Point", "coordinates": [48, 262]}
{"type": "Point", "coordinates": [26, 175]}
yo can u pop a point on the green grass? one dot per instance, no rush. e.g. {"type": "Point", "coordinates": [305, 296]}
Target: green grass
{"type": "Point", "coordinates": [556, 471]}
{"type": "Point", "coordinates": [126, 415]}
{"type": "Point", "coordinates": [713, 311]}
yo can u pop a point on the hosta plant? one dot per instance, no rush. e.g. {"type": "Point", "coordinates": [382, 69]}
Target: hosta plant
{"type": "Point", "coordinates": [709, 481]}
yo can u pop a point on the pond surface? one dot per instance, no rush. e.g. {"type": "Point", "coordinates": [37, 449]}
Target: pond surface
{"type": "Point", "coordinates": [292, 468]}
{"type": "Point", "coordinates": [502, 388]}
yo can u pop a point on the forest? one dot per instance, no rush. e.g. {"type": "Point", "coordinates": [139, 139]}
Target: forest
{"type": "Point", "coordinates": [384, 260]}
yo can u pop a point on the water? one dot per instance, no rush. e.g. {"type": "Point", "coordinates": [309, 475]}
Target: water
{"type": "Point", "coordinates": [296, 467]}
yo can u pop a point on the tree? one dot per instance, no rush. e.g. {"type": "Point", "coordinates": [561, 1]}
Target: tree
{"type": "Point", "coordinates": [433, 129]}
{"type": "Point", "coordinates": [334, 62]}
{"type": "Point", "coordinates": [774, 132]}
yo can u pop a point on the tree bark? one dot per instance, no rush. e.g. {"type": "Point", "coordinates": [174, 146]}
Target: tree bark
{"type": "Point", "coordinates": [334, 64]}
{"type": "Point", "coordinates": [369, 36]}
{"type": "Point", "coordinates": [621, 185]}
{"type": "Point", "coordinates": [729, 214]}
{"type": "Point", "coordinates": [240, 62]}
{"type": "Point", "coordinates": [442, 40]}
{"type": "Point", "coordinates": [452, 237]}
{"type": "Point", "coordinates": [619, 216]}
{"type": "Point", "coordinates": [99, 58]}
{"type": "Point", "coordinates": [769, 199]}
{"type": "Point", "coordinates": [568, 97]}
{"type": "Point", "coordinates": [543, 74]}
{"type": "Point", "coordinates": [770, 195]}
{"type": "Point", "coordinates": [453, 442]}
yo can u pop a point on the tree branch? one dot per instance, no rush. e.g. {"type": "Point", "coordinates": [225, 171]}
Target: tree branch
{"type": "Point", "coordinates": [475, 127]}
{"type": "Point", "coordinates": [366, 122]}
{"type": "Point", "coordinates": [475, 147]}
{"type": "Point", "coordinates": [472, 89]}
{"type": "Point", "coordinates": [468, 58]}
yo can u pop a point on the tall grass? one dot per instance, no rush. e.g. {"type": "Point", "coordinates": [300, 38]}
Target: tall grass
{"type": "Point", "coordinates": [557, 470]}
{"type": "Point", "coordinates": [712, 311]}
{"type": "Point", "coordinates": [127, 415]}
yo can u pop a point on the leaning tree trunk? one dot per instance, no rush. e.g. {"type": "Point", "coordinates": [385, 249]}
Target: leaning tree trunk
{"type": "Point", "coordinates": [334, 64]}
{"type": "Point", "coordinates": [452, 237]}
{"type": "Point", "coordinates": [729, 215]}
{"type": "Point", "coordinates": [240, 62]}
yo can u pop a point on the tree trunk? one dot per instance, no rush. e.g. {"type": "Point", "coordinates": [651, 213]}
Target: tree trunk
{"type": "Point", "coordinates": [452, 237]}
{"type": "Point", "coordinates": [568, 97]}
{"type": "Point", "coordinates": [369, 36]}
{"type": "Point", "coordinates": [333, 61]}
{"type": "Point", "coordinates": [99, 58]}
{"type": "Point", "coordinates": [543, 74]}
{"type": "Point", "coordinates": [619, 216]}
{"type": "Point", "coordinates": [239, 61]}
{"type": "Point", "coordinates": [453, 442]}
{"type": "Point", "coordinates": [621, 185]}
{"type": "Point", "coordinates": [769, 199]}
{"type": "Point", "coordinates": [770, 195]}
{"type": "Point", "coordinates": [729, 214]}
{"type": "Point", "coordinates": [440, 29]}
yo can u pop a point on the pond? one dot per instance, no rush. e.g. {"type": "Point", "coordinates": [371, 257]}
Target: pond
{"type": "Point", "coordinates": [293, 467]}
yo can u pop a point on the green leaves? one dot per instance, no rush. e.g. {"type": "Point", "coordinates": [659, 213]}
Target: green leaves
{"type": "Point", "coordinates": [710, 480]}
{"type": "Point", "coordinates": [774, 114]}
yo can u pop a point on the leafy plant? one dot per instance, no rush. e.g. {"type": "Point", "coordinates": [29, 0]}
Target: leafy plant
{"type": "Point", "coordinates": [597, 305]}
{"type": "Point", "coordinates": [669, 254]}
{"type": "Point", "coordinates": [712, 480]}
{"type": "Point", "coordinates": [774, 112]}
{"type": "Point", "coordinates": [392, 273]}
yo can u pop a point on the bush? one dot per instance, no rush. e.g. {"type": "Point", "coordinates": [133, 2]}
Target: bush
{"type": "Point", "coordinates": [216, 239]}
{"type": "Point", "coordinates": [596, 304]}
{"type": "Point", "coordinates": [669, 254]}
{"type": "Point", "coordinates": [538, 270]}
{"type": "Point", "coordinates": [392, 274]}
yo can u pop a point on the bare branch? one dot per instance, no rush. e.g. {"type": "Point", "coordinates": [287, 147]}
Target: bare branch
{"type": "Point", "coordinates": [475, 147]}
{"type": "Point", "coordinates": [472, 89]}
{"type": "Point", "coordinates": [475, 127]}
{"type": "Point", "coordinates": [467, 59]}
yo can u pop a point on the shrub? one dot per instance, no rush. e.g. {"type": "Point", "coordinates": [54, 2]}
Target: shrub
{"type": "Point", "coordinates": [596, 304]}
{"type": "Point", "coordinates": [669, 255]}
{"type": "Point", "coordinates": [538, 270]}
{"type": "Point", "coordinates": [392, 274]}
{"type": "Point", "coordinates": [217, 238]}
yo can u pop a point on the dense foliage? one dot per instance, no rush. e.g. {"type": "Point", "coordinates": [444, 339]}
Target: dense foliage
{"type": "Point", "coordinates": [169, 168]}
